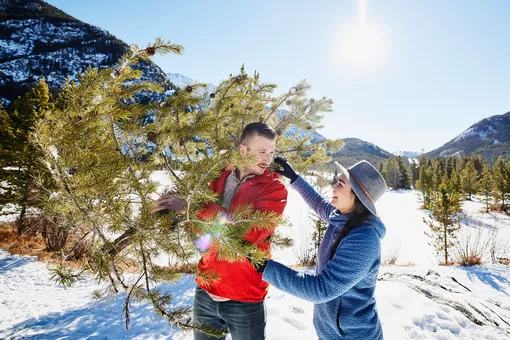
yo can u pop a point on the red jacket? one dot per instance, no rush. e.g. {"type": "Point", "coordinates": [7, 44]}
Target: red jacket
{"type": "Point", "coordinates": [239, 280]}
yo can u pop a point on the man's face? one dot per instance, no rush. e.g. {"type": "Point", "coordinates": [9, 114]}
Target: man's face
{"type": "Point", "coordinates": [263, 149]}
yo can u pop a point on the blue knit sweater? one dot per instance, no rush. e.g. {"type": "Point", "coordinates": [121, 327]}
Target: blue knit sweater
{"type": "Point", "coordinates": [343, 287]}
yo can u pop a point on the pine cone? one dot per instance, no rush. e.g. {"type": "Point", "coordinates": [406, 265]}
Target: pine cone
{"type": "Point", "coordinates": [212, 95]}
{"type": "Point", "coordinates": [71, 171]}
{"type": "Point", "coordinates": [151, 137]}
{"type": "Point", "coordinates": [150, 51]}
{"type": "Point", "coordinates": [288, 102]}
{"type": "Point", "coordinates": [189, 88]}
{"type": "Point", "coordinates": [115, 74]}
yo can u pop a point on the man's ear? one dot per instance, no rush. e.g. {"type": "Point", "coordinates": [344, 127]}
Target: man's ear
{"type": "Point", "coordinates": [243, 149]}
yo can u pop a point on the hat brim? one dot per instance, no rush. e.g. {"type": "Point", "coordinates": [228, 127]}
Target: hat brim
{"type": "Point", "coordinates": [358, 191]}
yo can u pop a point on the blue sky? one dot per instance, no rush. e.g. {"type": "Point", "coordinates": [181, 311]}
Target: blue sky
{"type": "Point", "coordinates": [423, 71]}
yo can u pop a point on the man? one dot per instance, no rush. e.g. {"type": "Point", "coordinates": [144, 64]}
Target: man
{"type": "Point", "coordinates": [236, 301]}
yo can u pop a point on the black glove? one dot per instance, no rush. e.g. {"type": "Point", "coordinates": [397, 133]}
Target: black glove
{"type": "Point", "coordinates": [260, 268]}
{"type": "Point", "coordinates": [287, 171]}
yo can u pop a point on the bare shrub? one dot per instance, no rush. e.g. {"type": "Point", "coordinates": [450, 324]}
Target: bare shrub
{"type": "Point", "coordinates": [54, 232]}
{"type": "Point", "coordinates": [305, 253]}
{"type": "Point", "coordinates": [391, 259]}
{"type": "Point", "coordinates": [499, 249]}
{"type": "Point", "coordinates": [471, 247]}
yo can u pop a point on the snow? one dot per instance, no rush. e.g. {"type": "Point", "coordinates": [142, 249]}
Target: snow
{"type": "Point", "coordinates": [416, 298]}
{"type": "Point", "coordinates": [481, 132]}
{"type": "Point", "coordinates": [408, 154]}
{"type": "Point", "coordinates": [182, 81]}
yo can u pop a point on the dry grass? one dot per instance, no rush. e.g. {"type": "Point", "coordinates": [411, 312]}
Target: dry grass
{"type": "Point", "coordinates": [184, 268]}
{"type": "Point", "coordinates": [504, 260]}
{"type": "Point", "coordinates": [391, 259]}
{"type": "Point", "coordinates": [27, 244]}
{"type": "Point", "coordinates": [32, 244]}
{"type": "Point", "coordinates": [473, 260]}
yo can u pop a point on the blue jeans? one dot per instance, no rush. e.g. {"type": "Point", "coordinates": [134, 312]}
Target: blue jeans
{"type": "Point", "coordinates": [244, 320]}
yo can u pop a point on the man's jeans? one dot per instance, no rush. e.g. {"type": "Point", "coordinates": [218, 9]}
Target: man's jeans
{"type": "Point", "coordinates": [244, 320]}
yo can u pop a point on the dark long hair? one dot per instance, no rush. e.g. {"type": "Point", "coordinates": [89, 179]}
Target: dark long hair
{"type": "Point", "coordinates": [360, 214]}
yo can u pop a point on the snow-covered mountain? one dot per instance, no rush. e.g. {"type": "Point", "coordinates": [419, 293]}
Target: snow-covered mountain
{"type": "Point", "coordinates": [489, 137]}
{"type": "Point", "coordinates": [182, 81]}
{"type": "Point", "coordinates": [408, 154]}
{"type": "Point", "coordinates": [38, 40]}
{"type": "Point", "coordinates": [355, 150]}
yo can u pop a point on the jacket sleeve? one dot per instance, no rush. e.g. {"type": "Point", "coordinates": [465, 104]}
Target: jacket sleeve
{"type": "Point", "coordinates": [357, 254]}
{"type": "Point", "coordinates": [314, 200]}
{"type": "Point", "coordinates": [274, 198]}
{"type": "Point", "coordinates": [209, 211]}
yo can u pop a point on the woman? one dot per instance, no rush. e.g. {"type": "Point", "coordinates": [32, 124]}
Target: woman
{"type": "Point", "coordinates": [349, 255]}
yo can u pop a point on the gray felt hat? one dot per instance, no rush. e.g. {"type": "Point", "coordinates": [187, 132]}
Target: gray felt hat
{"type": "Point", "coordinates": [367, 183]}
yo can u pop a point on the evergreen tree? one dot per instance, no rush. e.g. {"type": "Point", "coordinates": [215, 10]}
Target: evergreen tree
{"type": "Point", "coordinates": [92, 142]}
{"type": "Point", "coordinates": [404, 178]}
{"type": "Point", "coordinates": [413, 173]}
{"type": "Point", "coordinates": [501, 182]}
{"type": "Point", "coordinates": [20, 158]}
{"type": "Point", "coordinates": [469, 179]}
{"type": "Point", "coordinates": [393, 173]}
{"type": "Point", "coordinates": [486, 185]}
{"type": "Point", "coordinates": [444, 219]}
{"type": "Point", "coordinates": [461, 163]}
{"type": "Point", "coordinates": [436, 175]}
{"type": "Point", "coordinates": [424, 183]}
{"type": "Point", "coordinates": [455, 182]}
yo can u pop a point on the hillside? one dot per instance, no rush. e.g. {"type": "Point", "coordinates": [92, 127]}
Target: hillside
{"type": "Point", "coordinates": [489, 137]}
{"type": "Point", "coordinates": [38, 40]}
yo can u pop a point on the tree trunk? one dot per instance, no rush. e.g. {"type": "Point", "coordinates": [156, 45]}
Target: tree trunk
{"type": "Point", "coordinates": [24, 203]}
{"type": "Point", "coordinates": [445, 246]}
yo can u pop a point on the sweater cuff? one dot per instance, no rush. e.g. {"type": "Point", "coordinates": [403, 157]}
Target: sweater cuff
{"type": "Point", "coordinates": [297, 183]}
{"type": "Point", "coordinates": [267, 273]}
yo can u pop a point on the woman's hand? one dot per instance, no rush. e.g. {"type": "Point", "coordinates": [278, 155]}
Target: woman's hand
{"type": "Point", "coordinates": [287, 171]}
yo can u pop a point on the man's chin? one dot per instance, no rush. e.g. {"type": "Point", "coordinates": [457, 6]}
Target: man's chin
{"type": "Point", "coordinates": [258, 170]}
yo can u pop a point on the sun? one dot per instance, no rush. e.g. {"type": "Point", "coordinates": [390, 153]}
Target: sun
{"type": "Point", "coordinates": [360, 44]}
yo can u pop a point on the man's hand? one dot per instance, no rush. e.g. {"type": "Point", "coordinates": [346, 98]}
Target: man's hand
{"type": "Point", "coordinates": [168, 202]}
{"type": "Point", "coordinates": [287, 171]}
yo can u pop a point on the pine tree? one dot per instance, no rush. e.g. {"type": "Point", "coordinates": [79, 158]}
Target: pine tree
{"type": "Point", "coordinates": [444, 219]}
{"type": "Point", "coordinates": [404, 179]}
{"type": "Point", "coordinates": [413, 174]}
{"type": "Point", "coordinates": [394, 176]}
{"type": "Point", "coordinates": [455, 182]}
{"type": "Point", "coordinates": [486, 185]}
{"type": "Point", "coordinates": [424, 183]}
{"type": "Point", "coordinates": [94, 142]}
{"type": "Point", "coordinates": [469, 179]}
{"type": "Point", "coordinates": [436, 175]}
{"type": "Point", "coordinates": [20, 158]}
{"type": "Point", "coordinates": [501, 182]}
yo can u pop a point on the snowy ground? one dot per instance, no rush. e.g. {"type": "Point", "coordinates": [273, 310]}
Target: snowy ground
{"type": "Point", "coordinates": [424, 301]}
